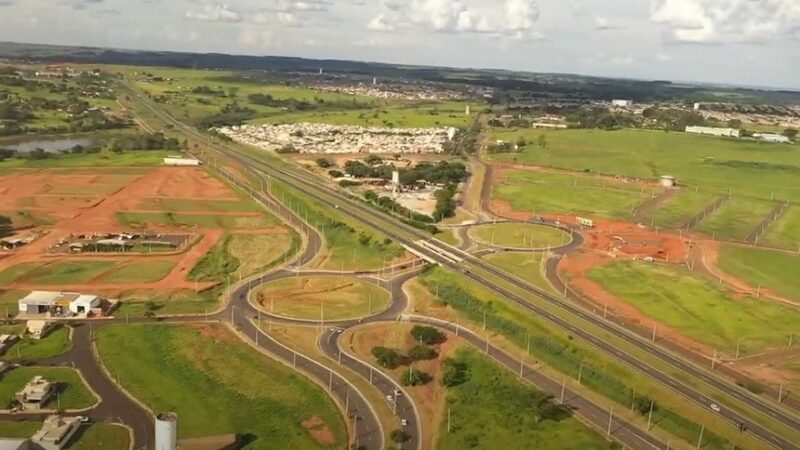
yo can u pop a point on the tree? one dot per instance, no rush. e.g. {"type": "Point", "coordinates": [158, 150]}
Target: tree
{"type": "Point", "coordinates": [427, 335]}
{"type": "Point", "coordinates": [5, 226]}
{"type": "Point", "coordinates": [641, 404]}
{"type": "Point", "coordinates": [791, 133]}
{"type": "Point", "coordinates": [521, 142]}
{"type": "Point", "coordinates": [541, 141]}
{"type": "Point", "coordinates": [324, 163]}
{"type": "Point", "coordinates": [398, 436]}
{"type": "Point", "coordinates": [387, 357]}
{"type": "Point", "coordinates": [415, 377]}
{"type": "Point", "coordinates": [455, 373]}
{"type": "Point", "coordinates": [420, 352]}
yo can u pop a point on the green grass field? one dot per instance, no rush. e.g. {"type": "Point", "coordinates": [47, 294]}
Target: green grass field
{"type": "Point", "coordinates": [329, 298]}
{"type": "Point", "coordinates": [57, 342]}
{"type": "Point", "coordinates": [139, 302]}
{"type": "Point", "coordinates": [132, 158]}
{"type": "Point", "coordinates": [493, 409]}
{"type": "Point", "coordinates": [736, 219]}
{"type": "Point", "coordinates": [716, 164]}
{"type": "Point", "coordinates": [542, 192]}
{"type": "Point", "coordinates": [243, 391]}
{"type": "Point", "coordinates": [561, 352]}
{"type": "Point", "coordinates": [528, 267]}
{"type": "Point", "coordinates": [517, 235]}
{"type": "Point", "coordinates": [677, 212]}
{"type": "Point", "coordinates": [100, 436]}
{"type": "Point", "coordinates": [12, 429]}
{"type": "Point", "coordinates": [766, 268]}
{"type": "Point", "coordinates": [697, 308]}
{"type": "Point", "coordinates": [72, 393]}
{"type": "Point", "coordinates": [784, 232]}
{"type": "Point", "coordinates": [140, 272]}
{"type": "Point", "coordinates": [349, 245]}
{"type": "Point", "coordinates": [205, 206]}
{"type": "Point", "coordinates": [227, 222]}
{"type": "Point", "coordinates": [64, 272]}
{"type": "Point", "coordinates": [257, 252]}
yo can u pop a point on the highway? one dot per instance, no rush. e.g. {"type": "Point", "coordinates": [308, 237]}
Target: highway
{"type": "Point", "coordinates": [408, 236]}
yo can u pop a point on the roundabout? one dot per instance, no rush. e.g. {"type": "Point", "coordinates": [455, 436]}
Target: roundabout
{"type": "Point", "coordinates": [519, 236]}
{"type": "Point", "coordinates": [321, 298]}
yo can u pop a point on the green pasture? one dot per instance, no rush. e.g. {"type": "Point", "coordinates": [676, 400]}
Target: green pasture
{"type": "Point", "coordinates": [784, 232]}
{"type": "Point", "coordinates": [699, 308]}
{"type": "Point", "coordinates": [528, 267]}
{"type": "Point", "coordinates": [716, 164]}
{"type": "Point", "coordinates": [677, 212]}
{"type": "Point", "coordinates": [62, 272]}
{"type": "Point", "coordinates": [148, 272]}
{"type": "Point", "coordinates": [519, 235]}
{"type": "Point", "coordinates": [326, 298]}
{"type": "Point", "coordinates": [736, 219]}
{"type": "Point", "coordinates": [542, 192]}
{"type": "Point", "coordinates": [55, 343]}
{"type": "Point", "coordinates": [770, 269]}
{"type": "Point", "coordinates": [18, 429]}
{"type": "Point", "coordinates": [243, 391]}
{"type": "Point", "coordinates": [206, 206]}
{"type": "Point", "coordinates": [142, 302]}
{"type": "Point", "coordinates": [211, 220]}
{"type": "Point", "coordinates": [100, 436]}
{"type": "Point", "coordinates": [104, 159]}
{"type": "Point", "coordinates": [493, 409]}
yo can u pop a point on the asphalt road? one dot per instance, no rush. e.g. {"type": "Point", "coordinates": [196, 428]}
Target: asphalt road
{"type": "Point", "coordinates": [310, 186]}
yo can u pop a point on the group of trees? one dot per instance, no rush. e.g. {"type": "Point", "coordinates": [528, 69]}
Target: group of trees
{"type": "Point", "coordinates": [230, 114]}
{"type": "Point", "coordinates": [144, 141]}
{"type": "Point", "coordinates": [293, 104]}
{"type": "Point", "coordinates": [443, 172]}
{"type": "Point", "coordinates": [425, 337]}
{"type": "Point", "coordinates": [5, 226]}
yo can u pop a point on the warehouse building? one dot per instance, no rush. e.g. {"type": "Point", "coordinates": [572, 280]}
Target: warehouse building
{"type": "Point", "coordinates": [712, 131]}
{"type": "Point", "coordinates": [57, 304]}
{"type": "Point", "coordinates": [772, 137]}
{"type": "Point", "coordinates": [620, 103]}
{"type": "Point", "coordinates": [181, 161]}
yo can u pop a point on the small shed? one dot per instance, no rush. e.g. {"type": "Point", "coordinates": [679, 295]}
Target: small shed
{"type": "Point", "coordinates": [667, 181]}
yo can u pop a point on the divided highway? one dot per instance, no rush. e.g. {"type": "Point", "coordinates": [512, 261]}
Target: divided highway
{"type": "Point", "coordinates": [408, 236]}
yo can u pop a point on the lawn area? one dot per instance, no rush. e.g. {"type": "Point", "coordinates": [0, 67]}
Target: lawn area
{"type": "Point", "coordinates": [140, 302]}
{"type": "Point", "coordinates": [131, 158]}
{"type": "Point", "coordinates": [715, 164]}
{"type": "Point", "coordinates": [18, 429]}
{"type": "Point", "coordinates": [493, 409]}
{"type": "Point", "coordinates": [100, 436]}
{"type": "Point", "coordinates": [140, 272]}
{"type": "Point", "coordinates": [543, 192]}
{"type": "Point", "coordinates": [243, 391]}
{"type": "Point", "coordinates": [210, 220]}
{"type": "Point", "coordinates": [736, 219]}
{"type": "Point", "coordinates": [257, 252]}
{"type": "Point", "coordinates": [677, 212]}
{"type": "Point", "coordinates": [72, 393]}
{"type": "Point", "coordinates": [529, 267]}
{"type": "Point", "coordinates": [784, 232]}
{"type": "Point", "coordinates": [698, 308]}
{"type": "Point", "coordinates": [774, 270]}
{"type": "Point", "coordinates": [61, 272]}
{"type": "Point", "coordinates": [57, 342]}
{"type": "Point", "coordinates": [349, 246]}
{"type": "Point", "coordinates": [205, 206]}
{"type": "Point", "coordinates": [332, 298]}
{"type": "Point", "coordinates": [518, 235]}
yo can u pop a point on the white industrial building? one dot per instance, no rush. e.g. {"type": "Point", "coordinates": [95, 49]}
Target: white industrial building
{"type": "Point", "coordinates": [712, 131]}
{"type": "Point", "coordinates": [772, 137]}
{"type": "Point", "coordinates": [622, 103]}
{"type": "Point", "coordinates": [181, 161]}
{"type": "Point", "coordinates": [57, 303]}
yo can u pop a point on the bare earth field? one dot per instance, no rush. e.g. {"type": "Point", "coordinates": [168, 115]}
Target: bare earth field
{"type": "Point", "coordinates": [88, 200]}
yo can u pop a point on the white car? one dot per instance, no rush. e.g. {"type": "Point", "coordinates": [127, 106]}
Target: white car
{"type": "Point", "coordinates": [389, 397]}
{"type": "Point", "coordinates": [404, 422]}
{"type": "Point", "coordinates": [715, 407]}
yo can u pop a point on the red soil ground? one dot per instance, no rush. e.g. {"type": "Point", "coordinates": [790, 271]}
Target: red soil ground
{"type": "Point", "coordinates": [91, 206]}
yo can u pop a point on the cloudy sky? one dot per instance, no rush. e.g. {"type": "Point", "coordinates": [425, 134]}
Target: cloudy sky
{"type": "Point", "coordinates": [748, 42]}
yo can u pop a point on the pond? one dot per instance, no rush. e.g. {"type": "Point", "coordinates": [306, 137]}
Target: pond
{"type": "Point", "coordinates": [48, 145]}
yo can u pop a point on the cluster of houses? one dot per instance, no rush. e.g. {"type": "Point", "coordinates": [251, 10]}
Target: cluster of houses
{"type": "Point", "coordinates": [393, 91]}
{"type": "Point", "coordinates": [324, 138]}
{"type": "Point", "coordinates": [733, 132]}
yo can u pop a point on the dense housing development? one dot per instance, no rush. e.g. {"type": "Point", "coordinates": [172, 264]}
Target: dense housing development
{"type": "Point", "coordinates": [324, 138]}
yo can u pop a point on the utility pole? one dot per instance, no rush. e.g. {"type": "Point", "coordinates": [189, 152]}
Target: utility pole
{"type": "Point", "coordinates": [563, 387]}
{"type": "Point", "coordinates": [610, 418]}
{"type": "Point", "coordinates": [650, 415]}
{"type": "Point", "coordinates": [448, 420]}
{"type": "Point", "coordinates": [580, 372]}
{"type": "Point", "coordinates": [700, 440]}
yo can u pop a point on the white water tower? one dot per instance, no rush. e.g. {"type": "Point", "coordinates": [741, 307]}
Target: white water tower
{"type": "Point", "coordinates": [167, 431]}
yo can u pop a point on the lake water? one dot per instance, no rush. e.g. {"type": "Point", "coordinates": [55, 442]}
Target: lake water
{"type": "Point", "coordinates": [49, 146]}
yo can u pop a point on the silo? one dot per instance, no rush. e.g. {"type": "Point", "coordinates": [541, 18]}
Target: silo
{"type": "Point", "coordinates": [167, 431]}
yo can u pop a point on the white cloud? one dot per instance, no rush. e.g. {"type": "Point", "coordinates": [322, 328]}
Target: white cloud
{"type": "Point", "coordinates": [603, 24]}
{"type": "Point", "coordinates": [664, 57]}
{"type": "Point", "coordinates": [288, 19]}
{"type": "Point", "coordinates": [722, 21]}
{"type": "Point", "coordinates": [381, 23]}
{"type": "Point", "coordinates": [215, 12]}
{"type": "Point", "coordinates": [626, 60]}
